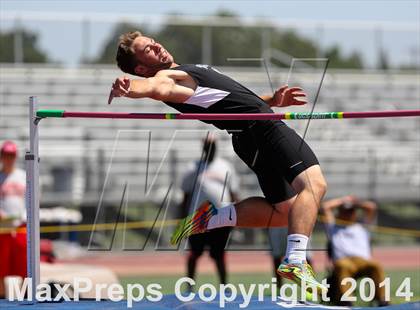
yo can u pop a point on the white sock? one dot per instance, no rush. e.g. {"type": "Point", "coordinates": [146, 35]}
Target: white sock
{"type": "Point", "coordinates": [225, 216]}
{"type": "Point", "coordinates": [296, 248]}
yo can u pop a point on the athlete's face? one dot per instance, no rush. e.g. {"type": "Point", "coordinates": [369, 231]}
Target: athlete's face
{"type": "Point", "coordinates": [151, 55]}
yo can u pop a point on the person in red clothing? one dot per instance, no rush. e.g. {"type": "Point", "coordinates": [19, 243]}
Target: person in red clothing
{"type": "Point", "coordinates": [12, 216]}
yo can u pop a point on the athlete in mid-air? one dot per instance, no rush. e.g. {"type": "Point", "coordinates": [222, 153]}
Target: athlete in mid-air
{"type": "Point", "coordinates": [288, 171]}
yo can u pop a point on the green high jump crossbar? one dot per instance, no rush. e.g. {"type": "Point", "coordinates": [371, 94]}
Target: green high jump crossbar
{"type": "Point", "coordinates": [32, 156]}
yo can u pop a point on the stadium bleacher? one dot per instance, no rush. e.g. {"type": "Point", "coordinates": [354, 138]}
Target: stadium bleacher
{"type": "Point", "coordinates": [375, 158]}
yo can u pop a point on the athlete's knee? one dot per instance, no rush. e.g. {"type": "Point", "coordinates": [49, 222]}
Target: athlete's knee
{"type": "Point", "coordinates": [317, 188]}
{"type": "Point", "coordinates": [320, 185]}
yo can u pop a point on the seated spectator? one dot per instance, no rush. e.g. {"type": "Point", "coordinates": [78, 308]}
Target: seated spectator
{"type": "Point", "coordinates": [349, 242]}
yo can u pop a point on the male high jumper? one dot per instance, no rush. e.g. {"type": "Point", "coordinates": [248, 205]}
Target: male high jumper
{"type": "Point", "coordinates": [288, 171]}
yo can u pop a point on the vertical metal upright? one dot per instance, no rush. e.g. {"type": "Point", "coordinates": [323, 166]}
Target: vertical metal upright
{"type": "Point", "coordinates": [32, 201]}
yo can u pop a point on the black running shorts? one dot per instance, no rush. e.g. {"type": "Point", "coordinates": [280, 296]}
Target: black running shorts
{"type": "Point", "coordinates": [276, 153]}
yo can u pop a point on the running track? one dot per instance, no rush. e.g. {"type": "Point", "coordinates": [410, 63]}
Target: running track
{"type": "Point", "coordinates": [173, 263]}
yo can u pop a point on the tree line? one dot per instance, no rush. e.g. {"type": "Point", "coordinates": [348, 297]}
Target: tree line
{"type": "Point", "coordinates": [185, 44]}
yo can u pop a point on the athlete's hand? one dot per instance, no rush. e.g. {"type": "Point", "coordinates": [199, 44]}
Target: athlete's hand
{"type": "Point", "coordinates": [286, 96]}
{"type": "Point", "coordinates": [120, 88]}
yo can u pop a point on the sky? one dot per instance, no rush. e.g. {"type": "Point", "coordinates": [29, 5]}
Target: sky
{"type": "Point", "coordinates": [63, 40]}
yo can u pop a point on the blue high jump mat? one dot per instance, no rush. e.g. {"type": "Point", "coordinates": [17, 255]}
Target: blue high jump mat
{"type": "Point", "coordinates": [172, 302]}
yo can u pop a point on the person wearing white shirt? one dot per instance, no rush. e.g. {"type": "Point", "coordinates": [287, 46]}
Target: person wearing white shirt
{"type": "Point", "coordinates": [349, 242]}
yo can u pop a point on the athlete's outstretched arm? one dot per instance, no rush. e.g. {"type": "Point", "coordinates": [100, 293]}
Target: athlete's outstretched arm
{"type": "Point", "coordinates": [286, 96]}
{"type": "Point", "coordinates": [167, 85]}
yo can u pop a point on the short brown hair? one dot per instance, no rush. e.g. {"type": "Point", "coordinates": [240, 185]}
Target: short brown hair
{"type": "Point", "coordinates": [126, 57]}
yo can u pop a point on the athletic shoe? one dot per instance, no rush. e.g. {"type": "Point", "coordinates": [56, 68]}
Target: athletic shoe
{"type": "Point", "coordinates": [195, 223]}
{"type": "Point", "coordinates": [301, 273]}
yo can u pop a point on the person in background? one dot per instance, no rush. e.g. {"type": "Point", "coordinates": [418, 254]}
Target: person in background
{"type": "Point", "coordinates": [209, 179]}
{"type": "Point", "coordinates": [349, 243]}
{"type": "Point", "coordinates": [12, 216]}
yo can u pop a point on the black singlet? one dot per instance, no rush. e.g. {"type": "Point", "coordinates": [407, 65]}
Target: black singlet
{"type": "Point", "coordinates": [218, 93]}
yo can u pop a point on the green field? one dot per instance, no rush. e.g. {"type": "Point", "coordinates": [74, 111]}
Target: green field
{"type": "Point", "coordinates": [168, 282]}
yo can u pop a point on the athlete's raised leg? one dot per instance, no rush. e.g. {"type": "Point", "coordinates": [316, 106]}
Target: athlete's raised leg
{"type": "Point", "coordinates": [250, 212]}
{"type": "Point", "coordinates": [258, 212]}
{"type": "Point", "coordinates": [298, 213]}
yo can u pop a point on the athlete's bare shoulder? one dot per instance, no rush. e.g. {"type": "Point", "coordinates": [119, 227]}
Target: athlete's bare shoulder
{"type": "Point", "coordinates": [180, 77]}
{"type": "Point", "coordinates": [174, 74]}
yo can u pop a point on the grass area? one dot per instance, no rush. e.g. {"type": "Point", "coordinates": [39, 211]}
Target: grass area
{"type": "Point", "coordinates": [402, 211]}
{"type": "Point", "coordinates": [168, 282]}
